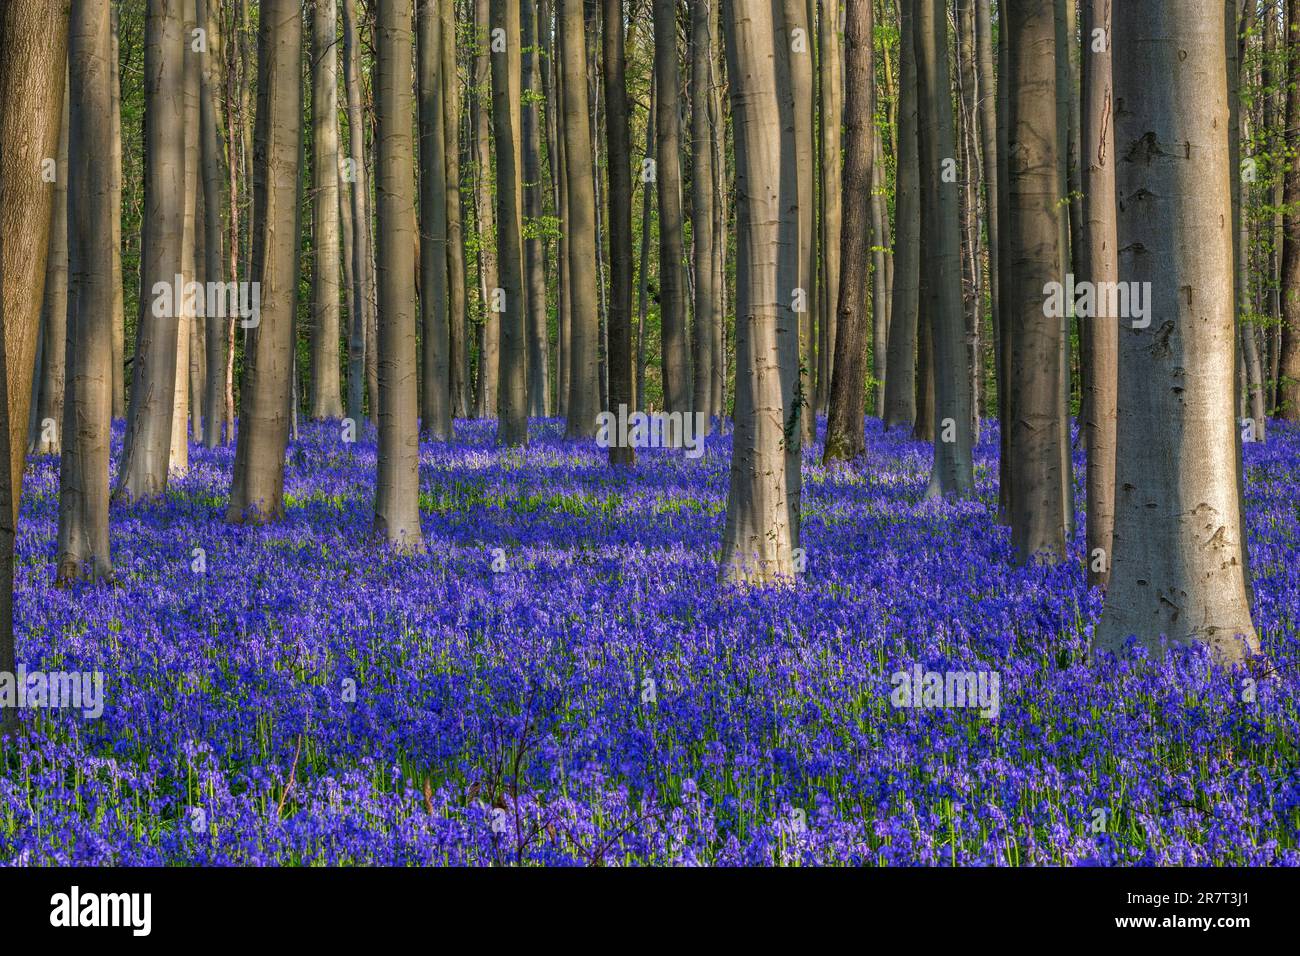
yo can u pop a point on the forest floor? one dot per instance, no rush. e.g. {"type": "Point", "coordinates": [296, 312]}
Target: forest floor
{"type": "Point", "coordinates": [561, 679]}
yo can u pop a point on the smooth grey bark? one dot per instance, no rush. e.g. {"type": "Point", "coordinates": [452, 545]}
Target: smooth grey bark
{"type": "Point", "coordinates": [1177, 571]}
{"type": "Point", "coordinates": [83, 548]}
{"type": "Point", "coordinates": [672, 267]}
{"type": "Point", "coordinates": [830, 74]}
{"type": "Point", "coordinates": [216, 330]}
{"type": "Point", "coordinates": [759, 539]}
{"type": "Point", "coordinates": [619, 136]}
{"type": "Point", "coordinates": [1038, 514]}
{"type": "Point", "coordinates": [580, 224]}
{"type": "Point", "coordinates": [643, 277]}
{"type": "Point", "coordinates": [115, 172]}
{"type": "Point", "coordinates": [881, 277]}
{"type": "Point", "coordinates": [1099, 257]}
{"type": "Point", "coordinates": [706, 304]}
{"type": "Point", "coordinates": [1289, 354]}
{"type": "Point", "coordinates": [512, 369]}
{"type": "Point", "coordinates": [900, 383]}
{"type": "Point", "coordinates": [988, 130]}
{"type": "Point", "coordinates": [397, 493]}
{"type": "Point", "coordinates": [539, 377]}
{"type": "Point", "coordinates": [47, 420]}
{"type": "Point", "coordinates": [435, 394]}
{"type": "Point", "coordinates": [143, 470]}
{"type": "Point", "coordinates": [485, 214]}
{"type": "Point", "coordinates": [186, 316]}
{"type": "Point", "coordinates": [845, 439]}
{"type": "Point", "coordinates": [797, 41]}
{"type": "Point", "coordinates": [33, 61]}
{"type": "Point", "coordinates": [326, 395]}
{"type": "Point", "coordinates": [1067, 222]}
{"type": "Point", "coordinates": [257, 489]}
{"type": "Point", "coordinates": [458, 343]}
{"type": "Point", "coordinates": [953, 472]}
{"type": "Point", "coordinates": [363, 287]}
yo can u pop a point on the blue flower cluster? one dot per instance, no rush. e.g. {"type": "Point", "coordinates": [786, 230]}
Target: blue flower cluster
{"type": "Point", "coordinates": [560, 679]}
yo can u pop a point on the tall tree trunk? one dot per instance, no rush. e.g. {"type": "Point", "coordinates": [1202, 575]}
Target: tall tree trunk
{"type": "Point", "coordinates": [881, 276]}
{"type": "Point", "coordinates": [1289, 370]}
{"type": "Point", "coordinates": [900, 384]}
{"type": "Point", "coordinates": [619, 137]}
{"type": "Point", "coordinates": [33, 63]}
{"type": "Point", "coordinates": [83, 550]}
{"type": "Point", "coordinates": [186, 312]}
{"type": "Point", "coordinates": [953, 472]}
{"type": "Point", "coordinates": [216, 328]}
{"type": "Point", "coordinates": [1067, 219]}
{"type": "Point", "coordinates": [539, 378]}
{"type": "Point", "coordinates": [512, 381]}
{"type": "Point", "coordinates": [707, 314]}
{"type": "Point", "coordinates": [1177, 572]}
{"type": "Point", "coordinates": [257, 490]}
{"type": "Point", "coordinates": [326, 396]}
{"type": "Point", "coordinates": [47, 422]}
{"type": "Point", "coordinates": [580, 224]}
{"type": "Point", "coordinates": [397, 497]}
{"type": "Point", "coordinates": [435, 397]}
{"type": "Point", "coordinates": [798, 43]}
{"type": "Point", "coordinates": [1099, 256]}
{"type": "Point", "coordinates": [988, 126]}
{"type": "Point", "coordinates": [759, 540]}
{"type": "Point", "coordinates": [648, 186]}
{"type": "Point", "coordinates": [672, 271]}
{"type": "Point", "coordinates": [1038, 515]}
{"type": "Point", "coordinates": [458, 343]}
{"type": "Point", "coordinates": [845, 427]}
{"type": "Point", "coordinates": [143, 471]}
{"type": "Point", "coordinates": [363, 288]}
{"type": "Point", "coordinates": [830, 82]}
{"type": "Point", "coordinates": [484, 218]}
{"type": "Point", "coordinates": [115, 232]}
{"type": "Point", "coordinates": [1006, 275]}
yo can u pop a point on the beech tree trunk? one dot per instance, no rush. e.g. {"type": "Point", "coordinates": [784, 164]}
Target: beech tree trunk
{"type": "Point", "coordinates": [900, 384]}
{"type": "Point", "coordinates": [759, 540]}
{"type": "Point", "coordinates": [363, 288]}
{"type": "Point", "coordinates": [539, 377]}
{"type": "Point", "coordinates": [83, 549]}
{"type": "Point", "coordinates": [512, 382]}
{"type": "Point", "coordinates": [845, 437]}
{"type": "Point", "coordinates": [435, 395]}
{"type": "Point", "coordinates": [257, 491]}
{"type": "Point", "coordinates": [47, 421]}
{"type": "Point", "coordinates": [1038, 513]}
{"type": "Point", "coordinates": [326, 396]}
{"type": "Point", "coordinates": [143, 471]}
{"type": "Point", "coordinates": [397, 497]}
{"type": "Point", "coordinates": [456, 301]}
{"type": "Point", "coordinates": [580, 225]}
{"type": "Point", "coordinates": [1100, 258]}
{"type": "Point", "coordinates": [1177, 573]}
{"type": "Point", "coordinates": [484, 214]}
{"type": "Point", "coordinates": [619, 137]}
{"type": "Point", "coordinates": [1289, 371]}
{"type": "Point", "coordinates": [953, 472]}
{"type": "Point", "coordinates": [672, 267]}
{"type": "Point", "coordinates": [707, 313]}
